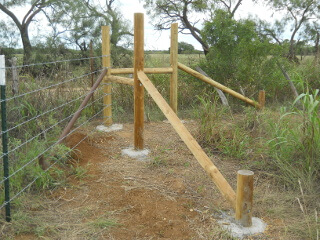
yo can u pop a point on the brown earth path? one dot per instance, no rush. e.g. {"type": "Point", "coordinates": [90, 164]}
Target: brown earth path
{"type": "Point", "coordinates": [167, 197]}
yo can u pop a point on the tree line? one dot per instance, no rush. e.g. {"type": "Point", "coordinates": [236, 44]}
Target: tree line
{"type": "Point", "coordinates": [75, 23]}
{"type": "Point", "coordinates": [71, 24]}
{"type": "Point", "coordinates": [239, 51]}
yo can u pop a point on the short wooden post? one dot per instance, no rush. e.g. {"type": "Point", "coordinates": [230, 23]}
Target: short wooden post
{"type": "Point", "coordinates": [174, 65]}
{"type": "Point", "coordinates": [138, 87]}
{"type": "Point", "coordinates": [107, 112]}
{"type": "Point", "coordinates": [262, 99]}
{"type": "Point", "coordinates": [244, 197]}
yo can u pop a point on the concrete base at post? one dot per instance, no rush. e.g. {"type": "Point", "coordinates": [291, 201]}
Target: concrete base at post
{"type": "Point", "coordinates": [235, 229]}
{"type": "Point", "coordinates": [112, 128]}
{"type": "Point", "coordinates": [141, 155]}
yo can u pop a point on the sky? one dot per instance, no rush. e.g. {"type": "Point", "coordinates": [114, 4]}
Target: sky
{"type": "Point", "coordinates": [160, 40]}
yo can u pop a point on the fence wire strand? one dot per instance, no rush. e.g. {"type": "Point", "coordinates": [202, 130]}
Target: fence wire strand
{"type": "Point", "coordinates": [44, 113]}
{"type": "Point", "coordinates": [54, 62]}
{"type": "Point", "coordinates": [29, 140]}
{"type": "Point", "coordinates": [50, 86]}
{"type": "Point", "coordinates": [34, 180]}
{"type": "Point", "coordinates": [53, 144]}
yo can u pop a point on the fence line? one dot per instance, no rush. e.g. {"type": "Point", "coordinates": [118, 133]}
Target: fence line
{"type": "Point", "coordinates": [23, 157]}
{"type": "Point", "coordinates": [59, 61]}
{"type": "Point", "coordinates": [53, 85]}
{"type": "Point", "coordinates": [55, 162]}
{"type": "Point", "coordinates": [44, 113]}
{"type": "Point", "coordinates": [34, 137]}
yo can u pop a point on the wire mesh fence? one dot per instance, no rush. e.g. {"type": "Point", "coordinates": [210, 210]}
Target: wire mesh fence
{"type": "Point", "coordinates": [36, 113]}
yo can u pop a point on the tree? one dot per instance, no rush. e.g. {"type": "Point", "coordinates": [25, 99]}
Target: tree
{"type": "Point", "coordinates": [166, 12]}
{"type": "Point", "coordinates": [188, 13]}
{"type": "Point", "coordinates": [236, 50]}
{"type": "Point", "coordinates": [73, 23]}
{"type": "Point", "coordinates": [312, 31]}
{"type": "Point", "coordinates": [34, 8]}
{"type": "Point", "coordinates": [121, 33]}
{"type": "Point", "coordinates": [74, 26]}
{"type": "Point", "coordinates": [297, 15]}
{"type": "Point", "coordinates": [184, 47]}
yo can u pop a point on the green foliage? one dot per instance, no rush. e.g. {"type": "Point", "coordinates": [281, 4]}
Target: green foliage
{"type": "Point", "coordinates": [307, 74]}
{"type": "Point", "coordinates": [26, 157]}
{"type": "Point", "coordinates": [236, 50]}
{"type": "Point", "coordinates": [218, 135]}
{"type": "Point", "coordinates": [79, 172]}
{"type": "Point", "coordinates": [295, 145]}
{"type": "Point", "coordinates": [104, 223]}
{"type": "Point", "coordinates": [158, 162]}
{"type": "Point", "coordinates": [184, 47]}
{"type": "Point", "coordinates": [290, 141]}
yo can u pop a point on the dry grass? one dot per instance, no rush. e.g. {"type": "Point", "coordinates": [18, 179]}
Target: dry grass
{"type": "Point", "coordinates": [119, 194]}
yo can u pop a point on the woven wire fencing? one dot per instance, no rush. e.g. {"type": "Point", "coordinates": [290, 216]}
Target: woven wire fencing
{"type": "Point", "coordinates": [40, 100]}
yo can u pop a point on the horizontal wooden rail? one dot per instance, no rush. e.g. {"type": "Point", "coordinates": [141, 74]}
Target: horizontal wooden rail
{"type": "Point", "coordinates": [146, 70]}
{"type": "Point", "coordinates": [123, 80]}
{"type": "Point", "coordinates": [189, 140]}
{"type": "Point", "coordinates": [218, 85]}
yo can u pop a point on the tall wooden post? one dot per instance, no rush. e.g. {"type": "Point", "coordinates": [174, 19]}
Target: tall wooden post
{"type": "Point", "coordinates": [107, 112]}
{"type": "Point", "coordinates": [262, 99]}
{"type": "Point", "coordinates": [138, 87]}
{"type": "Point", "coordinates": [174, 65]}
{"type": "Point", "coordinates": [244, 197]}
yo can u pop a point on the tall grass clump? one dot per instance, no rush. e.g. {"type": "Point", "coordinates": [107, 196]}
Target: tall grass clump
{"type": "Point", "coordinates": [295, 143]}
{"type": "Point", "coordinates": [221, 131]}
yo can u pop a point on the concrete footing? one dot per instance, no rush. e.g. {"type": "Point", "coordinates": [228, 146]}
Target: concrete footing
{"type": "Point", "coordinates": [141, 155]}
{"type": "Point", "coordinates": [112, 128]}
{"type": "Point", "coordinates": [236, 230]}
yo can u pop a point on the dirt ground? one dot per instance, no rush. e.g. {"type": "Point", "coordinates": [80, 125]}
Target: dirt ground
{"type": "Point", "coordinates": [167, 196]}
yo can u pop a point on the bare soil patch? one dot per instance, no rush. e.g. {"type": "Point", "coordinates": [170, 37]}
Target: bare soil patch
{"type": "Point", "coordinates": [116, 197]}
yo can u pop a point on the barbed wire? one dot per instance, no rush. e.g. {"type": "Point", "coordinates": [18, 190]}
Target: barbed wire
{"type": "Point", "coordinates": [46, 150]}
{"type": "Point", "coordinates": [51, 110]}
{"type": "Point", "coordinates": [53, 85]}
{"type": "Point", "coordinates": [59, 61]}
{"type": "Point", "coordinates": [47, 129]}
{"type": "Point", "coordinates": [55, 162]}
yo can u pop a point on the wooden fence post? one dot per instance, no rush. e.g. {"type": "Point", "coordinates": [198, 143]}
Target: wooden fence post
{"type": "Point", "coordinates": [15, 76]}
{"type": "Point", "coordinates": [262, 99]}
{"type": "Point", "coordinates": [174, 65]}
{"type": "Point", "coordinates": [107, 112]}
{"type": "Point", "coordinates": [92, 74]}
{"type": "Point", "coordinates": [138, 87]}
{"type": "Point", "coordinates": [244, 197]}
